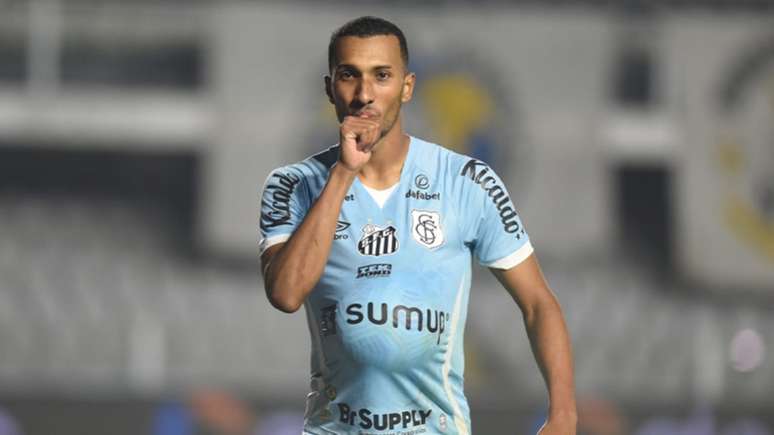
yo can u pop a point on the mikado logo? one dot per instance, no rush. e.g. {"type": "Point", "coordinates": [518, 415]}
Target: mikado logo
{"type": "Point", "coordinates": [481, 174]}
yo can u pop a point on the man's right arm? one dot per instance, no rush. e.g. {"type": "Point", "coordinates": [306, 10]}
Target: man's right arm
{"type": "Point", "coordinates": [292, 269]}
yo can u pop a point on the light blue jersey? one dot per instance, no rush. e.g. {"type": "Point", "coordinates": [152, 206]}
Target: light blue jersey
{"type": "Point", "coordinates": [387, 317]}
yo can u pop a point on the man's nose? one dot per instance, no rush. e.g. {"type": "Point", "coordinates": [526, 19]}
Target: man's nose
{"type": "Point", "coordinates": [365, 92]}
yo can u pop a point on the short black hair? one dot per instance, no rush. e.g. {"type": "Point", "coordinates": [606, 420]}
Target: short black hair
{"type": "Point", "coordinates": [364, 27]}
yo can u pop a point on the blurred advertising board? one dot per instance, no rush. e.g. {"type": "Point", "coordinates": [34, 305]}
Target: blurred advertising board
{"type": "Point", "coordinates": [720, 79]}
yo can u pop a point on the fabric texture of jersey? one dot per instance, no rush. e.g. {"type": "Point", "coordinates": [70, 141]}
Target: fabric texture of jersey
{"type": "Point", "coordinates": [388, 314]}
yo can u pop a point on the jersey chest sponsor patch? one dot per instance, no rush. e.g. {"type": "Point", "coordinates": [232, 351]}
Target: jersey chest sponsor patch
{"type": "Point", "coordinates": [426, 228]}
{"type": "Point", "coordinates": [377, 241]}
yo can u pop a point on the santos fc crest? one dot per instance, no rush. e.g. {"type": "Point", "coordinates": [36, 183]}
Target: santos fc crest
{"type": "Point", "coordinates": [378, 241]}
{"type": "Point", "coordinates": [426, 228]}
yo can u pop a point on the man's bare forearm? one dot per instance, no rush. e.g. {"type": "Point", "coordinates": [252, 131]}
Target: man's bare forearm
{"type": "Point", "coordinates": [295, 269]}
{"type": "Point", "coordinates": [553, 352]}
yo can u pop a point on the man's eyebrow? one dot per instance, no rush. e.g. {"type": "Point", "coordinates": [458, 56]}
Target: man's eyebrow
{"type": "Point", "coordinates": [353, 67]}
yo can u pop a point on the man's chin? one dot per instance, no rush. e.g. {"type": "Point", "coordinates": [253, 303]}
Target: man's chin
{"type": "Point", "coordinates": [378, 141]}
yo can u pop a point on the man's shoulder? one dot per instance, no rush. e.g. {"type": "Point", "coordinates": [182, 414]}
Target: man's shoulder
{"type": "Point", "coordinates": [326, 158]}
{"type": "Point", "coordinates": [456, 163]}
{"type": "Point", "coordinates": [433, 153]}
{"type": "Point", "coordinates": [315, 166]}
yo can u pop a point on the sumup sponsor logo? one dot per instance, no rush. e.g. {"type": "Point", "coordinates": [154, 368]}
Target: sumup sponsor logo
{"type": "Point", "coordinates": [367, 419]}
{"type": "Point", "coordinates": [279, 188]}
{"type": "Point", "coordinates": [414, 317]}
{"type": "Point", "coordinates": [477, 171]}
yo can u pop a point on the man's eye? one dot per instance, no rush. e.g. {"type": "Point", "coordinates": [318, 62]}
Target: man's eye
{"type": "Point", "coordinates": [382, 75]}
{"type": "Point", "coordinates": [345, 75]}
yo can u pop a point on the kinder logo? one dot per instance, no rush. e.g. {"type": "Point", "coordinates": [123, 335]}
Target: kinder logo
{"type": "Point", "coordinates": [378, 241]}
{"type": "Point", "coordinates": [374, 271]}
{"type": "Point", "coordinates": [414, 318]}
{"type": "Point", "coordinates": [276, 202]}
{"type": "Point", "coordinates": [477, 171]}
{"type": "Point", "coordinates": [366, 419]}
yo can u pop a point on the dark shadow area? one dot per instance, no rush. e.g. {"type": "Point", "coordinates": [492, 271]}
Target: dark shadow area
{"type": "Point", "coordinates": [164, 183]}
{"type": "Point", "coordinates": [644, 213]}
{"type": "Point", "coordinates": [171, 65]}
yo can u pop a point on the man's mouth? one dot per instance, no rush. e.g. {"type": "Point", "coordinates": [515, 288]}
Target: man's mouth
{"type": "Point", "coordinates": [366, 114]}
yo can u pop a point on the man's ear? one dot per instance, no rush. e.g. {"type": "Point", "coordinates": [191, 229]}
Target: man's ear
{"type": "Point", "coordinates": [329, 88]}
{"type": "Point", "coordinates": [408, 87]}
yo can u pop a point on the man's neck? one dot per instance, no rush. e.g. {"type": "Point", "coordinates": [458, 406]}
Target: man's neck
{"type": "Point", "coordinates": [387, 159]}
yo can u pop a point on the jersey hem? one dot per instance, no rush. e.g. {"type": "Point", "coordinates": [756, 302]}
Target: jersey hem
{"type": "Point", "coordinates": [268, 242]}
{"type": "Point", "coordinates": [512, 259]}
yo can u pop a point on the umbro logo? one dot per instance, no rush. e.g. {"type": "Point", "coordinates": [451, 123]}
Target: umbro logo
{"type": "Point", "coordinates": [341, 226]}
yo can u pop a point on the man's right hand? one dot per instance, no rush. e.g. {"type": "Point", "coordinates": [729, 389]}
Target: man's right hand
{"type": "Point", "coordinates": [357, 137]}
{"type": "Point", "coordinates": [292, 269]}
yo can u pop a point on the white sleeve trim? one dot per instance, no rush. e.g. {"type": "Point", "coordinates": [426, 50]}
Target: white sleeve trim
{"type": "Point", "coordinates": [513, 259]}
{"type": "Point", "coordinates": [268, 242]}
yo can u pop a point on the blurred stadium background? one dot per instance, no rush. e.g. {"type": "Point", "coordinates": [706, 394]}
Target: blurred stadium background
{"type": "Point", "coordinates": [637, 138]}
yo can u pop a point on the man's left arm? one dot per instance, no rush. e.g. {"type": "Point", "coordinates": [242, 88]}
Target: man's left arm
{"type": "Point", "coordinates": [549, 339]}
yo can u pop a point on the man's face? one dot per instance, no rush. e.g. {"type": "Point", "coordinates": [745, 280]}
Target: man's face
{"type": "Point", "coordinates": [369, 79]}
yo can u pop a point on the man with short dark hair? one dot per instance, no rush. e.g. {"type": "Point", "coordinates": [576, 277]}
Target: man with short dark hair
{"type": "Point", "coordinates": [375, 237]}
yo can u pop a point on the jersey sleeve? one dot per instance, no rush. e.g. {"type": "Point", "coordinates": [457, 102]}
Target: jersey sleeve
{"type": "Point", "coordinates": [283, 206]}
{"type": "Point", "coordinates": [499, 239]}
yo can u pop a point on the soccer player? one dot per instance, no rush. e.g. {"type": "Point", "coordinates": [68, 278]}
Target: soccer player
{"type": "Point", "coordinates": [375, 236]}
